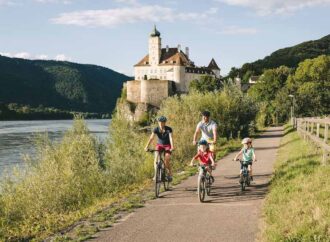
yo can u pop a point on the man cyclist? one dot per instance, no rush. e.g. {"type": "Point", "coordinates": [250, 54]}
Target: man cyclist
{"type": "Point", "coordinates": [164, 143]}
{"type": "Point", "coordinates": [208, 128]}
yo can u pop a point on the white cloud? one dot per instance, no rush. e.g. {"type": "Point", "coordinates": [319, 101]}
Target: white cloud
{"type": "Point", "coordinates": [23, 55]}
{"type": "Point", "coordinates": [117, 16]}
{"type": "Point", "coordinates": [235, 30]}
{"type": "Point", "coordinates": [62, 57]}
{"type": "Point", "coordinates": [54, 1]}
{"type": "Point", "coordinates": [41, 57]}
{"type": "Point", "coordinates": [129, 2]}
{"type": "Point", "coordinates": [269, 7]}
{"type": "Point", "coordinates": [27, 55]}
{"type": "Point", "coordinates": [7, 3]}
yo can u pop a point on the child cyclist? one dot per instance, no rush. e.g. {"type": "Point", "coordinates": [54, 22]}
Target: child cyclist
{"type": "Point", "coordinates": [205, 157]}
{"type": "Point", "coordinates": [248, 155]}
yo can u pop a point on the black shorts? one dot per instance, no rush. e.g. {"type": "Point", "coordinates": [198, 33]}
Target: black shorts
{"type": "Point", "coordinates": [249, 163]}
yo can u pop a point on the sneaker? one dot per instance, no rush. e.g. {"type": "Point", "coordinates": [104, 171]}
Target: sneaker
{"type": "Point", "coordinates": [251, 178]}
{"type": "Point", "coordinates": [169, 178]}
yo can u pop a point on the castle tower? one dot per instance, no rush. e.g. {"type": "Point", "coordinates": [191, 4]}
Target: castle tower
{"type": "Point", "coordinates": [155, 47]}
{"type": "Point", "coordinates": [215, 68]}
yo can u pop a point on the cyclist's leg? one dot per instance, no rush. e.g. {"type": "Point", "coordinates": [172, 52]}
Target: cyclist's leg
{"type": "Point", "coordinates": [241, 174]}
{"type": "Point", "coordinates": [168, 163]}
{"type": "Point", "coordinates": [155, 163]}
{"type": "Point", "coordinates": [250, 169]}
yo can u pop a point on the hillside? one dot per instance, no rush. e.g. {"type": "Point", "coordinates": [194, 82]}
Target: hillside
{"type": "Point", "coordinates": [58, 84]}
{"type": "Point", "coordinates": [290, 57]}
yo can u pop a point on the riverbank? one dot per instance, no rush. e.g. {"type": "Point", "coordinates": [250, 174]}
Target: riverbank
{"type": "Point", "coordinates": [17, 138]}
{"type": "Point", "coordinates": [14, 111]}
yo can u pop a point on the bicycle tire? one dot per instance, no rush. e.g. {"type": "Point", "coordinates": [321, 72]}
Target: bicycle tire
{"type": "Point", "coordinates": [164, 178]}
{"type": "Point", "coordinates": [201, 189]}
{"type": "Point", "coordinates": [158, 181]}
{"type": "Point", "coordinates": [243, 184]}
{"type": "Point", "coordinates": [208, 186]}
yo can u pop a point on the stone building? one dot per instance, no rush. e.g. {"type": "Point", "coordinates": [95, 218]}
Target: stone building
{"type": "Point", "coordinates": [163, 72]}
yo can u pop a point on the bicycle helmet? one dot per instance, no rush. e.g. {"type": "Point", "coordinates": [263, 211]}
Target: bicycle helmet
{"type": "Point", "coordinates": [162, 119]}
{"type": "Point", "coordinates": [206, 113]}
{"type": "Point", "coordinates": [246, 140]}
{"type": "Point", "coordinates": [202, 142]}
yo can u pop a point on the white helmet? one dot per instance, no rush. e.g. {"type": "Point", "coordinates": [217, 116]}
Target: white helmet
{"type": "Point", "coordinates": [246, 140]}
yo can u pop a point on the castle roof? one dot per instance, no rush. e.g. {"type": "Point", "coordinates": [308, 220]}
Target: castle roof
{"type": "Point", "coordinates": [169, 56]}
{"type": "Point", "coordinates": [213, 65]}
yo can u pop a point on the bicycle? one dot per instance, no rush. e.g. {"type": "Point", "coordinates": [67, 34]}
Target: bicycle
{"type": "Point", "coordinates": [204, 182]}
{"type": "Point", "coordinates": [161, 173]}
{"type": "Point", "coordinates": [245, 179]}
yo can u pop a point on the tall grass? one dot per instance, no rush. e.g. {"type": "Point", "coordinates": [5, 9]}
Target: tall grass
{"type": "Point", "coordinates": [298, 205]}
{"type": "Point", "coordinates": [64, 178]}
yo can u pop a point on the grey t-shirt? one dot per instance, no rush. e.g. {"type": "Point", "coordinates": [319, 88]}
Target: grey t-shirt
{"type": "Point", "coordinates": [207, 129]}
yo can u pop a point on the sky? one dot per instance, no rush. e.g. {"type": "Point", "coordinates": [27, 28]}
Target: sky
{"type": "Point", "coordinates": [114, 33]}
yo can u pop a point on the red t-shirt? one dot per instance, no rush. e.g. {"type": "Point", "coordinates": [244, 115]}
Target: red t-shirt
{"type": "Point", "coordinates": [204, 157]}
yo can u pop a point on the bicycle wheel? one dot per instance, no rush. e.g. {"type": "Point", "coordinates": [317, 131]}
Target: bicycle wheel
{"type": "Point", "coordinates": [201, 188]}
{"type": "Point", "coordinates": [243, 184]}
{"type": "Point", "coordinates": [158, 181]}
{"type": "Point", "coordinates": [208, 186]}
{"type": "Point", "coordinates": [164, 179]}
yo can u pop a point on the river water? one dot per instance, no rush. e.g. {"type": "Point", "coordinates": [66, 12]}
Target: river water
{"type": "Point", "coordinates": [16, 137]}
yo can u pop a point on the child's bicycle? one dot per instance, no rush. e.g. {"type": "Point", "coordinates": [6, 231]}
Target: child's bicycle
{"type": "Point", "coordinates": [245, 180]}
{"type": "Point", "coordinates": [161, 173]}
{"type": "Point", "coordinates": [204, 182]}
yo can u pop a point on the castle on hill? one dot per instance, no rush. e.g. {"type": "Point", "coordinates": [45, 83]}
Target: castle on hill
{"type": "Point", "coordinates": [165, 71]}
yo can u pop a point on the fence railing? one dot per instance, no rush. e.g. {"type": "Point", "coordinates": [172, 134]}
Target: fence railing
{"type": "Point", "coordinates": [317, 131]}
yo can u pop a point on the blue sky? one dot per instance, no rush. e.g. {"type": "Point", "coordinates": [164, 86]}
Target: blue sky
{"type": "Point", "coordinates": [114, 33]}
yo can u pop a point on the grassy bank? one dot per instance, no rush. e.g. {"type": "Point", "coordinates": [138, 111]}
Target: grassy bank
{"type": "Point", "coordinates": [298, 205]}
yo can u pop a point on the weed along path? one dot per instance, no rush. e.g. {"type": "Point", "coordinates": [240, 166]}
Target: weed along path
{"type": "Point", "coordinates": [227, 215]}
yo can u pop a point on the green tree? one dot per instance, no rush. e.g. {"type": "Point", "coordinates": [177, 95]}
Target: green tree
{"type": "Point", "coordinates": [266, 91]}
{"type": "Point", "coordinates": [205, 84]}
{"type": "Point", "coordinates": [310, 85]}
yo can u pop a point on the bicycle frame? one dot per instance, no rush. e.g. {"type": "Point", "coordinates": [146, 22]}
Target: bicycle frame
{"type": "Point", "coordinates": [160, 173]}
{"type": "Point", "coordinates": [245, 174]}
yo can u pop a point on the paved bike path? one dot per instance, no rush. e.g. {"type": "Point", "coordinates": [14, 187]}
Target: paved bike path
{"type": "Point", "coordinates": [227, 215]}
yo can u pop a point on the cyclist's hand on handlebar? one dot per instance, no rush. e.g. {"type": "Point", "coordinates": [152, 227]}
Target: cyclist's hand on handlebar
{"type": "Point", "coordinates": [194, 142]}
{"type": "Point", "coordinates": [172, 149]}
{"type": "Point", "coordinates": [191, 164]}
{"type": "Point", "coordinates": [146, 149]}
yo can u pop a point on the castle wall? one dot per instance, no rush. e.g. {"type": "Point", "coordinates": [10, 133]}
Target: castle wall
{"type": "Point", "coordinates": [133, 91]}
{"type": "Point", "coordinates": [154, 91]}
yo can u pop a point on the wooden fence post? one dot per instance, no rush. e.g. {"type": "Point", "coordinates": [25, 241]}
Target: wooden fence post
{"type": "Point", "coordinates": [318, 130]}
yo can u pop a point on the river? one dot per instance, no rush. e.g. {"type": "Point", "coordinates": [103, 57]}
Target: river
{"type": "Point", "coordinates": [16, 137]}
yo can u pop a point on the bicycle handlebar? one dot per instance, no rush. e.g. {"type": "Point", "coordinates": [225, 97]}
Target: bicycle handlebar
{"type": "Point", "coordinates": [153, 150]}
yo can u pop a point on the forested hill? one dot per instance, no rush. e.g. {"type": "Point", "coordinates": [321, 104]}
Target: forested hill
{"type": "Point", "coordinates": [59, 84]}
{"type": "Point", "coordinates": [290, 57]}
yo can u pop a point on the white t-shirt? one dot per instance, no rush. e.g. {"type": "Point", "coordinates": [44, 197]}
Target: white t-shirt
{"type": "Point", "coordinates": [207, 129]}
